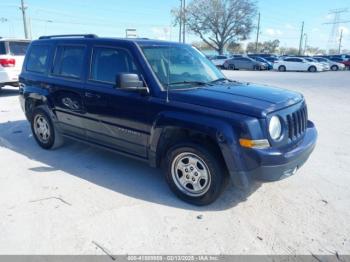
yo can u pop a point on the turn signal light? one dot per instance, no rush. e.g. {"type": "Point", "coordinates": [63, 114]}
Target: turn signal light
{"type": "Point", "coordinates": [259, 144]}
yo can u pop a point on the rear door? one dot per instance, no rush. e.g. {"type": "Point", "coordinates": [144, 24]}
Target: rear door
{"type": "Point", "coordinates": [66, 85]}
{"type": "Point", "coordinates": [290, 64]}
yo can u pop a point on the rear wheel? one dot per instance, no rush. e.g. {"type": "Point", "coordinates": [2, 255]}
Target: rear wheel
{"type": "Point", "coordinates": [282, 68]}
{"type": "Point", "coordinates": [232, 67]}
{"type": "Point", "coordinates": [43, 129]}
{"type": "Point", "coordinates": [334, 68]}
{"type": "Point", "coordinates": [194, 173]}
{"type": "Point", "coordinates": [312, 69]}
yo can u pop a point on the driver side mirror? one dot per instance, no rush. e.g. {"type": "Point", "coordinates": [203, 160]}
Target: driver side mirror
{"type": "Point", "coordinates": [130, 82]}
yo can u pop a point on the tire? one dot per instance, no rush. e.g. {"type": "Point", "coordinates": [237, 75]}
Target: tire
{"type": "Point", "coordinates": [43, 129]}
{"type": "Point", "coordinates": [312, 69]}
{"type": "Point", "coordinates": [186, 164]}
{"type": "Point", "coordinates": [231, 67]}
{"type": "Point", "coordinates": [282, 68]}
{"type": "Point", "coordinates": [334, 68]}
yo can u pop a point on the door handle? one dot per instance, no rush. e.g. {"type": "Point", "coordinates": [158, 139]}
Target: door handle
{"type": "Point", "coordinates": [91, 95]}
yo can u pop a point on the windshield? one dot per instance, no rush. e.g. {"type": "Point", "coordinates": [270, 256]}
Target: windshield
{"type": "Point", "coordinates": [181, 67]}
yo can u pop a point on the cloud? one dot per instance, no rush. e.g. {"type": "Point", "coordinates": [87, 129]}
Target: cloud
{"type": "Point", "coordinates": [290, 27]}
{"type": "Point", "coordinates": [273, 32]}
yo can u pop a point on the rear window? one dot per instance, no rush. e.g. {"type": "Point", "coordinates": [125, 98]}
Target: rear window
{"type": "Point", "coordinates": [18, 48]}
{"type": "Point", "coordinates": [69, 61]}
{"type": "Point", "coordinates": [37, 58]}
{"type": "Point", "coordinates": [2, 48]}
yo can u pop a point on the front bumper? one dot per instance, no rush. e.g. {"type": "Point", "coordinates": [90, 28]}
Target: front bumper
{"type": "Point", "coordinates": [277, 164]}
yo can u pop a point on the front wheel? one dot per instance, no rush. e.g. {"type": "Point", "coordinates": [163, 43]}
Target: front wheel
{"type": "Point", "coordinates": [43, 129]}
{"type": "Point", "coordinates": [312, 69]}
{"type": "Point", "coordinates": [195, 174]}
{"type": "Point", "coordinates": [282, 68]}
{"type": "Point", "coordinates": [334, 68]}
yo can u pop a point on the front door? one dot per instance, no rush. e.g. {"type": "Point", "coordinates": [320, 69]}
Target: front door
{"type": "Point", "coordinates": [116, 118]}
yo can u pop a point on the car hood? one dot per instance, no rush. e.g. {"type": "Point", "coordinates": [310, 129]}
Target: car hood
{"type": "Point", "coordinates": [244, 98]}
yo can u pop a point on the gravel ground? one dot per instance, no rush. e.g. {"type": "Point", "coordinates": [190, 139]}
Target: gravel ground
{"type": "Point", "coordinates": [65, 201]}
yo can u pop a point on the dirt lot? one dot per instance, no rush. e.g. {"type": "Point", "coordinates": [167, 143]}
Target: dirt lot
{"type": "Point", "coordinates": [65, 201]}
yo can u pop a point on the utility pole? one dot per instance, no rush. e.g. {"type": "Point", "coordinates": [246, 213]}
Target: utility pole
{"type": "Point", "coordinates": [305, 45]}
{"type": "Point", "coordinates": [340, 41]}
{"type": "Point", "coordinates": [301, 38]}
{"type": "Point", "coordinates": [257, 35]}
{"type": "Point", "coordinates": [337, 21]}
{"type": "Point", "coordinates": [184, 22]}
{"type": "Point", "coordinates": [180, 29]}
{"type": "Point", "coordinates": [23, 9]}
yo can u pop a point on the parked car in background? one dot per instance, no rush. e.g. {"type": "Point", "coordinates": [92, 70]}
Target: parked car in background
{"type": "Point", "coordinates": [247, 63]}
{"type": "Point", "coordinates": [325, 66]}
{"type": "Point", "coordinates": [165, 104]}
{"type": "Point", "coordinates": [344, 61]}
{"type": "Point", "coordinates": [335, 66]}
{"type": "Point", "coordinates": [12, 52]}
{"type": "Point", "coordinates": [269, 64]}
{"type": "Point", "coordinates": [219, 60]}
{"type": "Point", "coordinates": [297, 64]}
{"type": "Point", "coordinates": [269, 57]}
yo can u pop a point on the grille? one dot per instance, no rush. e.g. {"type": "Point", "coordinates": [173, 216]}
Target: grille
{"type": "Point", "coordinates": [297, 123]}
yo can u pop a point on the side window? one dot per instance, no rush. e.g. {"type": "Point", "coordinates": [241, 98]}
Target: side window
{"type": "Point", "coordinates": [37, 58]}
{"type": "Point", "coordinates": [69, 61]}
{"type": "Point", "coordinates": [107, 63]}
{"type": "Point", "coordinates": [2, 48]}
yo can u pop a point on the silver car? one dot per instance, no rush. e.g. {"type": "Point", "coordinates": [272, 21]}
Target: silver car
{"type": "Point", "coordinates": [247, 63]}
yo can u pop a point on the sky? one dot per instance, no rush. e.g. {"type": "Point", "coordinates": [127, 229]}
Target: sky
{"type": "Point", "coordinates": [152, 18]}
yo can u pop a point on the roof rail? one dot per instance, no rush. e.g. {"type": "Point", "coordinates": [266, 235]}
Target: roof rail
{"type": "Point", "coordinates": [77, 35]}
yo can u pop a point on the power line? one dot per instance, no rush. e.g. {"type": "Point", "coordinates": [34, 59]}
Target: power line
{"type": "Point", "coordinates": [334, 34]}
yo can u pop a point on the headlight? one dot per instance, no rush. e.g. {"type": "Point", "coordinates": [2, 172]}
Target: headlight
{"type": "Point", "coordinates": [275, 128]}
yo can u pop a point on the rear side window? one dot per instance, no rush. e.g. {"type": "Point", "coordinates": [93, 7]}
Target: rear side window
{"type": "Point", "coordinates": [37, 58]}
{"type": "Point", "coordinates": [107, 63]}
{"type": "Point", "coordinates": [69, 61]}
{"type": "Point", "coordinates": [2, 48]}
{"type": "Point", "coordinates": [18, 48]}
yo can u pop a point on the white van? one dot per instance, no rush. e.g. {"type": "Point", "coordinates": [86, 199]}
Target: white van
{"type": "Point", "coordinates": [12, 52]}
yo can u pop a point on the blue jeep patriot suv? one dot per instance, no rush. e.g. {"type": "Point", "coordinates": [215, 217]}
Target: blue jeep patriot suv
{"type": "Point", "coordinates": [166, 104]}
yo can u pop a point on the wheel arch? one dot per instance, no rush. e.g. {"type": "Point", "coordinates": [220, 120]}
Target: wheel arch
{"type": "Point", "coordinates": [171, 128]}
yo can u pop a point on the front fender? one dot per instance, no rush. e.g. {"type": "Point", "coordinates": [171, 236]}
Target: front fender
{"type": "Point", "coordinates": [219, 130]}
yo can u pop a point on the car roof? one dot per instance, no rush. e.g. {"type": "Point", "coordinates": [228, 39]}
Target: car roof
{"type": "Point", "coordinates": [94, 38]}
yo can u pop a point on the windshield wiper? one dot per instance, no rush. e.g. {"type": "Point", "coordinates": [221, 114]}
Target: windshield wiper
{"type": "Point", "coordinates": [220, 80]}
{"type": "Point", "coordinates": [198, 83]}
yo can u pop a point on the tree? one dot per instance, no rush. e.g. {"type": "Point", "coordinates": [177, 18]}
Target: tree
{"type": "Point", "coordinates": [314, 51]}
{"type": "Point", "coordinates": [265, 47]}
{"type": "Point", "coordinates": [219, 22]}
{"type": "Point", "coordinates": [235, 48]}
{"type": "Point", "coordinates": [291, 51]}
